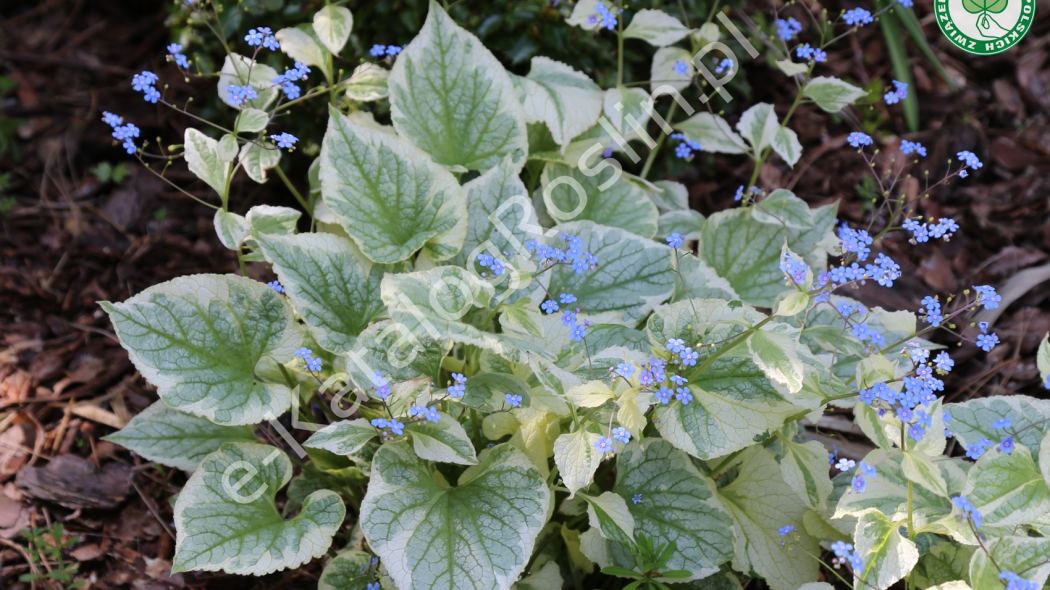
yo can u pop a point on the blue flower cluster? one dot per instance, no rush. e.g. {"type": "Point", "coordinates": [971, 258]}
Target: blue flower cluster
{"type": "Point", "coordinates": [844, 553]}
{"type": "Point", "coordinates": [459, 387]}
{"type": "Point", "coordinates": [287, 80]}
{"type": "Point", "coordinates": [857, 17]}
{"type": "Point", "coordinates": [912, 147]}
{"type": "Point", "coordinates": [681, 354]}
{"type": "Point", "coordinates": [922, 232]}
{"type": "Point", "coordinates": [862, 477]}
{"type": "Point", "coordinates": [276, 286]}
{"type": "Point", "coordinates": [285, 140]}
{"type": "Point", "coordinates": [144, 83]}
{"type": "Point", "coordinates": [970, 160]}
{"type": "Point", "coordinates": [855, 241]}
{"type": "Point", "coordinates": [794, 268]}
{"type": "Point", "coordinates": [380, 384]}
{"type": "Point", "coordinates": [578, 259]}
{"type": "Point", "coordinates": [932, 308]}
{"type": "Point", "coordinates": [751, 192]}
{"type": "Point", "coordinates": [604, 16]}
{"type": "Point", "coordinates": [310, 363]}
{"type": "Point", "coordinates": [121, 132]}
{"type": "Point", "coordinates": [686, 147]}
{"type": "Point", "coordinates": [857, 139]}
{"type": "Point", "coordinates": [967, 511]}
{"type": "Point", "coordinates": [811, 53]}
{"type": "Point", "coordinates": [916, 390]}
{"type": "Point", "coordinates": [393, 425]}
{"type": "Point", "coordinates": [384, 51]}
{"type": "Point", "coordinates": [899, 93]}
{"type": "Point", "coordinates": [424, 413]}
{"type": "Point", "coordinates": [262, 36]}
{"type": "Point", "coordinates": [492, 263]}
{"type": "Point", "coordinates": [787, 29]}
{"type": "Point", "coordinates": [724, 65]}
{"type": "Point", "coordinates": [175, 54]}
{"type": "Point", "coordinates": [1016, 582]}
{"type": "Point", "coordinates": [238, 96]}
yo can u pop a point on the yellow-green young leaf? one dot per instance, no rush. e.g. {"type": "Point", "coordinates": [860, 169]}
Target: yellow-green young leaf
{"type": "Point", "coordinates": [972, 420]}
{"type": "Point", "coordinates": [348, 570]}
{"type": "Point", "coordinates": [609, 514]}
{"type": "Point", "coordinates": [547, 577]}
{"type": "Point", "coordinates": [333, 24]}
{"type": "Point", "coordinates": [368, 83]}
{"type": "Point", "coordinates": [255, 160]}
{"type": "Point", "coordinates": [791, 68]}
{"type": "Point", "coordinates": [163, 434]}
{"type": "Point", "coordinates": [565, 100]}
{"type": "Point", "coordinates": [874, 369]}
{"type": "Point", "coordinates": [760, 502]}
{"type": "Point", "coordinates": [577, 459]}
{"type": "Point", "coordinates": [333, 287]}
{"type": "Point", "coordinates": [791, 303]}
{"type": "Point", "coordinates": [589, 395]}
{"type": "Point", "coordinates": [204, 160]}
{"type": "Point", "coordinates": [888, 556]}
{"type": "Point", "coordinates": [225, 517]}
{"type": "Point", "coordinates": [663, 73]}
{"type": "Point", "coordinates": [887, 493]}
{"type": "Point", "coordinates": [1025, 556]}
{"type": "Point", "coordinates": [443, 441]}
{"type": "Point", "coordinates": [427, 532]}
{"type": "Point", "coordinates": [345, 437]}
{"type": "Point", "coordinates": [388, 195]}
{"type": "Point", "coordinates": [775, 354]}
{"type": "Point", "coordinates": [1009, 489]}
{"type": "Point", "coordinates": [919, 469]}
{"type": "Point", "coordinates": [238, 70]}
{"type": "Point", "coordinates": [656, 28]}
{"type": "Point", "coordinates": [450, 96]}
{"type": "Point", "coordinates": [199, 338]}
{"type": "Point", "coordinates": [713, 133]}
{"type": "Point", "coordinates": [832, 94]}
{"type": "Point", "coordinates": [805, 469]}
{"type": "Point", "coordinates": [301, 44]}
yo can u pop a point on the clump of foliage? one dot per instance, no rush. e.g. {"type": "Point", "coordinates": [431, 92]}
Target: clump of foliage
{"type": "Point", "coordinates": [489, 315]}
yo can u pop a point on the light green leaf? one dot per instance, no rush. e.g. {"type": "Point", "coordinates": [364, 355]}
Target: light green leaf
{"type": "Point", "coordinates": [202, 157]}
{"type": "Point", "coordinates": [397, 352]}
{"type": "Point", "coordinates": [1025, 556]}
{"type": "Point", "coordinates": [450, 96]}
{"type": "Point", "coordinates": [918, 468]}
{"type": "Point", "coordinates": [443, 441]}
{"type": "Point", "coordinates": [733, 402]}
{"type": "Point", "coordinates": [760, 501]}
{"type": "Point", "coordinates": [888, 493]}
{"type": "Point", "coordinates": [333, 24]}
{"type": "Point", "coordinates": [943, 563]}
{"type": "Point", "coordinates": [235, 72]}
{"type": "Point", "coordinates": [701, 281]}
{"type": "Point", "coordinates": [251, 121]}
{"type": "Point", "coordinates": [256, 160]}
{"type": "Point", "coordinates": [633, 275]}
{"type": "Point", "coordinates": [867, 418]}
{"type": "Point", "coordinates": [656, 28]}
{"type": "Point", "coordinates": [888, 556]}
{"type": "Point", "coordinates": [713, 133]}
{"type": "Point", "coordinates": [571, 195]}
{"type": "Point", "coordinates": [775, 354]}
{"type": "Point", "coordinates": [345, 437]}
{"type": "Point", "coordinates": [199, 338]}
{"type": "Point", "coordinates": [577, 459]}
{"type": "Point", "coordinates": [785, 143]}
{"type": "Point", "coordinates": [790, 68]}
{"type": "Point", "coordinates": [427, 533]}
{"type": "Point", "coordinates": [804, 468]}
{"type": "Point", "coordinates": [972, 420]}
{"type": "Point", "coordinates": [348, 570]}
{"type": "Point", "coordinates": [758, 124]}
{"type": "Point", "coordinates": [388, 195]}
{"type": "Point", "coordinates": [621, 103]}
{"type": "Point", "coordinates": [662, 72]}
{"type": "Point", "coordinates": [368, 83]}
{"type": "Point", "coordinates": [301, 44]}
{"type": "Point", "coordinates": [832, 94]}
{"type": "Point", "coordinates": [667, 195]}
{"type": "Point", "coordinates": [176, 439]}
{"type": "Point", "coordinates": [1006, 489]}
{"type": "Point", "coordinates": [591, 394]}
{"type": "Point", "coordinates": [271, 220]}
{"type": "Point", "coordinates": [239, 531]}
{"type": "Point", "coordinates": [226, 149]}
{"type": "Point", "coordinates": [333, 287]}
{"type": "Point", "coordinates": [582, 11]}
{"type": "Point", "coordinates": [489, 391]}
{"type": "Point", "coordinates": [782, 207]}
{"type": "Point", "coordinates": [791, 303]}
{"type": "Point", "coordinates": [689, 319]}
{"type": "Point", "coordinates": [687, 223]}
{"type": "Point", "coordinates": [565, 100]}
{"type": "Point", "coordinates": [546, 578]}
{"type": "Point", "coordinates": [609, 514]}
{"type": "Point", "coordinates": [1042, 359]}
{"type": "Point", "coordinates": [231, 228]}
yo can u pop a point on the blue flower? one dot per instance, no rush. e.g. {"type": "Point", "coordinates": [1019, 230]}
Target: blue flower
{"type": "Point", "coordinates": [855, 240]}
{"type": "Point", "coordinates": [969, 159]}
{"type": "Point", "coordinates": [859, 485]}
{"type": "Point", "coordinates": [674, 240]}
{"type": "Point", "coordinates": [1006, 445]}
{"type": "Point", "coordinates": [276, 286]}
{"type": "Point", "coordinates": [978, 448]}
{"type": "Point", "coordinates": [396, 427]}
{"type": "Point", "coordinates": [141, 82]}
{"type": "Point", "coordinates": [819, 56]}
{"type": "Point", "coordinates": [867, 471]}
{"type": "Point", "coordinates": [987, 342]}
{"type": "Point", "coordinates": [568, 319]}
{"type": "Point", "coordinates": [857, 17]}
{"type": "Point", "coordinates": [111, 119]}
{"type": "Point", "coordinates": [550, 306]}
{"type": "Point", "coordinates": [604, 445]}
{"type": "Point", "coordinates": [512, 400]}
{"type": "Point", "coordinates": [459, 389]}
{"type": "Point", "coordinates": [794, 268]}
{"type": "Point", "coordinates": [378, 423]}
{"type": "Point", "coordinates": [689, 357]}
{"type": "Point", "coordinates": [271, 43]}
{"type": "Point", "coordinates": [855, 560]}
{"type": "Point", "coordinates": [857, 139]}
{"type": "Point", "coordinates": [377, 51]}
{"type": "Point", "coordinates": [785, 529]}
{"type": "Point", "coordinates": [636, 499]}
{"type": "Point", "coordinates": [787, 29]}
{"type": "Point", "coordinates": [841, 548]}
{"type": "Point", "coordinates": [804, 51]}
{"type": "Point", "coordinates": [567, 298]}
{"type": "Point", "coordinates": [675, 345]}
{"type": "Point", "coordinates": [392, 50]}
{"type": "Point", "coordinates": [679, 380]}
{"type": "Point", "coordinates": [968, 510]}
{"type": "Point", "coordinates": [987, 297]}
{"type": "Point", "coordinates": [304, 352]}
{"type": "Point", "coordinates": [682, 394]}
{"type": "Point", "coordinates": [1002, 423]}
{"type": "Point", "coordinates": [725, 64]}
{"type": "Point", "coordinates": [625, 370]}
{"type": "Point", "coordinates": [151, 95]}
{"type": "Point", "coordinates": [683, 151]}
{"type": "Point", "coordinates": [285, 140]}
{"type": "Point", "coordinates": [620, 434]}
{"type": "Point", "coordinates": [129, 146]}
{"type": "Point", "coordinates": [681, 68]}
{"type": "Point", "coordinates": [1015, 582]}
{"type": "Point", "coordinates": [906, 3]}
{"type": "Point", "coordinates": [867, 396]}
{"type": "Point", "coordinates": [916, 432]}
{"type": "Point", "coordinates": [663, 395]}
{"type": "Point", "coordinates": [578, 333]}
{"type": "Point", "coordinates": [898, 94]}
{"type": "Point", "coordinates": [912, 147]}
{"type": "Point", "coordinates": [845, 464]}
{"type": "Point", "coordinates": [963, 174]}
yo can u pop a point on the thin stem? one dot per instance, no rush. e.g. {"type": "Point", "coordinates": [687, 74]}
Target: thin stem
{"type": "Point", "coordinates": [295, 193]}
{"type": "Point", "coordinates": [707, 362]}
{"type": "Point", "coordinates": [659, 143]}
{"type": "Point", "coordinates": [619, 38]}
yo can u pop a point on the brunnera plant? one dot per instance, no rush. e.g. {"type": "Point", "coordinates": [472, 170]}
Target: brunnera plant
{"type": "Point", "coordinates": [503, 346]}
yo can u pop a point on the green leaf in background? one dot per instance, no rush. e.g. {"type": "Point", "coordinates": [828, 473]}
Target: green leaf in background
{"type": "Point", "coordinates": [545, 578]}
{"type": "Point", "coordinates": [786, 144]}
{"type": "Point", "coordinates": [943, 562]}
{"type": "Point", "coordinates": [231, 228]}
{"type": "Point", "coordinates": [489, 391]}
{"type": "Point", "coordinates": [333, 24]}
{"type": "Point", "coordinates": [565, 100]}
{"type": "Point", "coordinates": [348, 570]}
{"type": "Point", "coordinates": [656, 28]}
{"type": "Point", "coordinates": [832, 94]}
{"type": "Point", "coordinates": [888, 493]}
{"type": "Point", "coordinates": [757, 125]}
{"type": "Point", "coordinates": [760, 502]}
{"type": "Point", "coordinates": [427, 533]}
{"type": "Point", "coordinates": [888, 556]}
{"type": "Point", "coordinates": [918, 468]}
{"type": "Point", "coordinates": [388, 195]}
{"type": "Point", "coordinates": [622, 204]}
{"type": "Point", "coordinates": [782, 207]}
{"type": "Point", "coordinates": [775, 354]}
{"type": "Point", "coordinates": [251, 121]}
{"type": "Point", "coordinates": [450, 96]}
{"type": "Point", "coordinates": [163, 434]}
{"type": "Point", "coordinates": [199, 338]}
{"type": "Point", "coordinates": [255, 160]}
{"type": "Point", "coordinates": [395, 351]}
{"type": "Point", "coordinates": [1009, 489]}
{"type": "Point", "coordinates": [687, 223]}
{"type": "Point", "coordinates": [226, 519]}
{"type": "Point", "coordinates": [334, 288]}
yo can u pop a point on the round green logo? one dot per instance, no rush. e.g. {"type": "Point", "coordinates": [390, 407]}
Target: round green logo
{"type": "Point", "coordinates": [985, 27]}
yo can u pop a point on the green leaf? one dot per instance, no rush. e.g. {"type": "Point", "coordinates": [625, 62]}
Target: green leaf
{"type": "Point", "coordinates": [301, 44]}
{"type": "Point", "coordinates": [199, 338]}
{"type": "Point", "coordinates": [235, 72]}
{"type": "Point", "coordinates": [804, 467]}
{"type": "Point", "coordinates": [791, 303]}
{"type": "Point", "coordinates": [348, 570]}
{"type": "Point", "coordinates": [888, 555]}
{"type": "Point", "coordinates": [202, 157]}
{"type": "Point", "coordinates": [777, 356]}
{"type": "Point", "coordinates": [577, 459]}
{"type": "Point", "coordinates": [334, 288]}
{"type": "Point", "coordinates": [489, 391]}
{"type": "Point", "coordinates": [1042, 359]}
{"type": "Point", "coordinates": [713, 133]}
{"type": "Point", "coordinates": [918, 468]}
{"type": "Point", "coordinates": [662, 72]}
{"type": "Point", "coordinates": [571, 195]}
{"type": "Point", "coordinates": [867, 418]}
{"type": "Point", "coordinates": [757, 125]}
{"type": "Point", "coordinates": [608, 514]}
{"type": "Point", "coordinates": [832, 94]}
{"type": "Point", "coordinates": [978, 6]}
{"type": "Point", "coordinates": [443, 441]}
{"type": "Point", "coordinates": [231, 228]}
{"type": "Point", "coordinates": [733, 401]}
{"type": "Point", "coordinates": [617, 104]}
{"type": "Point", "coordinates": [581, 12]}
{"type": "Point", "coordinates": [397, 352]}
{"type": "Point", "coordinates": [256, 160]}
{"type": "Point", "coordinates": [388, 195]}
{"type": "Point", "coordinates": [689, 319]}
{"type": "Point", "coordinates": [943, 562]}
{"type": "Point", "coordinates": [271, 220]}
{"type": "Point", "coordinates": [450, 96]}
{"type": "Point", "coordinates": [226, 520]}
{"type": "Point", "coordinates": [972, 420]}
{"type": "Point", "coordinates": [1009, 489]}
{"type": "Point", "coordinates": [368, 83]}
{"type": "Point", "coordinates": [333, 24]}
{"type": "Point", "coordinates": [565, 100]}
{"type": "Point", "coordinates": [1025, 556]}
{"type": "Point", "coordinates": [790, 68]}
{"type": "Point", "coordinates": [667, 195]}
{"type": "Point", "coordinates": [633, 275]}
{"type": "Point", "coordinates": [656, 28]}
{"type": "Point", "coordinates": [251, 121]}
{"type": "Point", "coordinates": [427, 533]}
{"type": "Point", "coordinates": [345, 437]}
{"type": "Point", "coordinates": [687, 223]}
{"type": "Point", "coordinates": [760, 501]}
{"type": "Point", "coordinates": [785, 143]}
{"type": "Point", "coordinates": [546, 578]}
{"type": "Point", "coordinates": [782, 207]}
{"type": "Point", "coordinates": [700, 281]}
{"type": "Point", "coordinates": [176, 439]}
{"type": "Point", "coordinates": [887, 493]}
